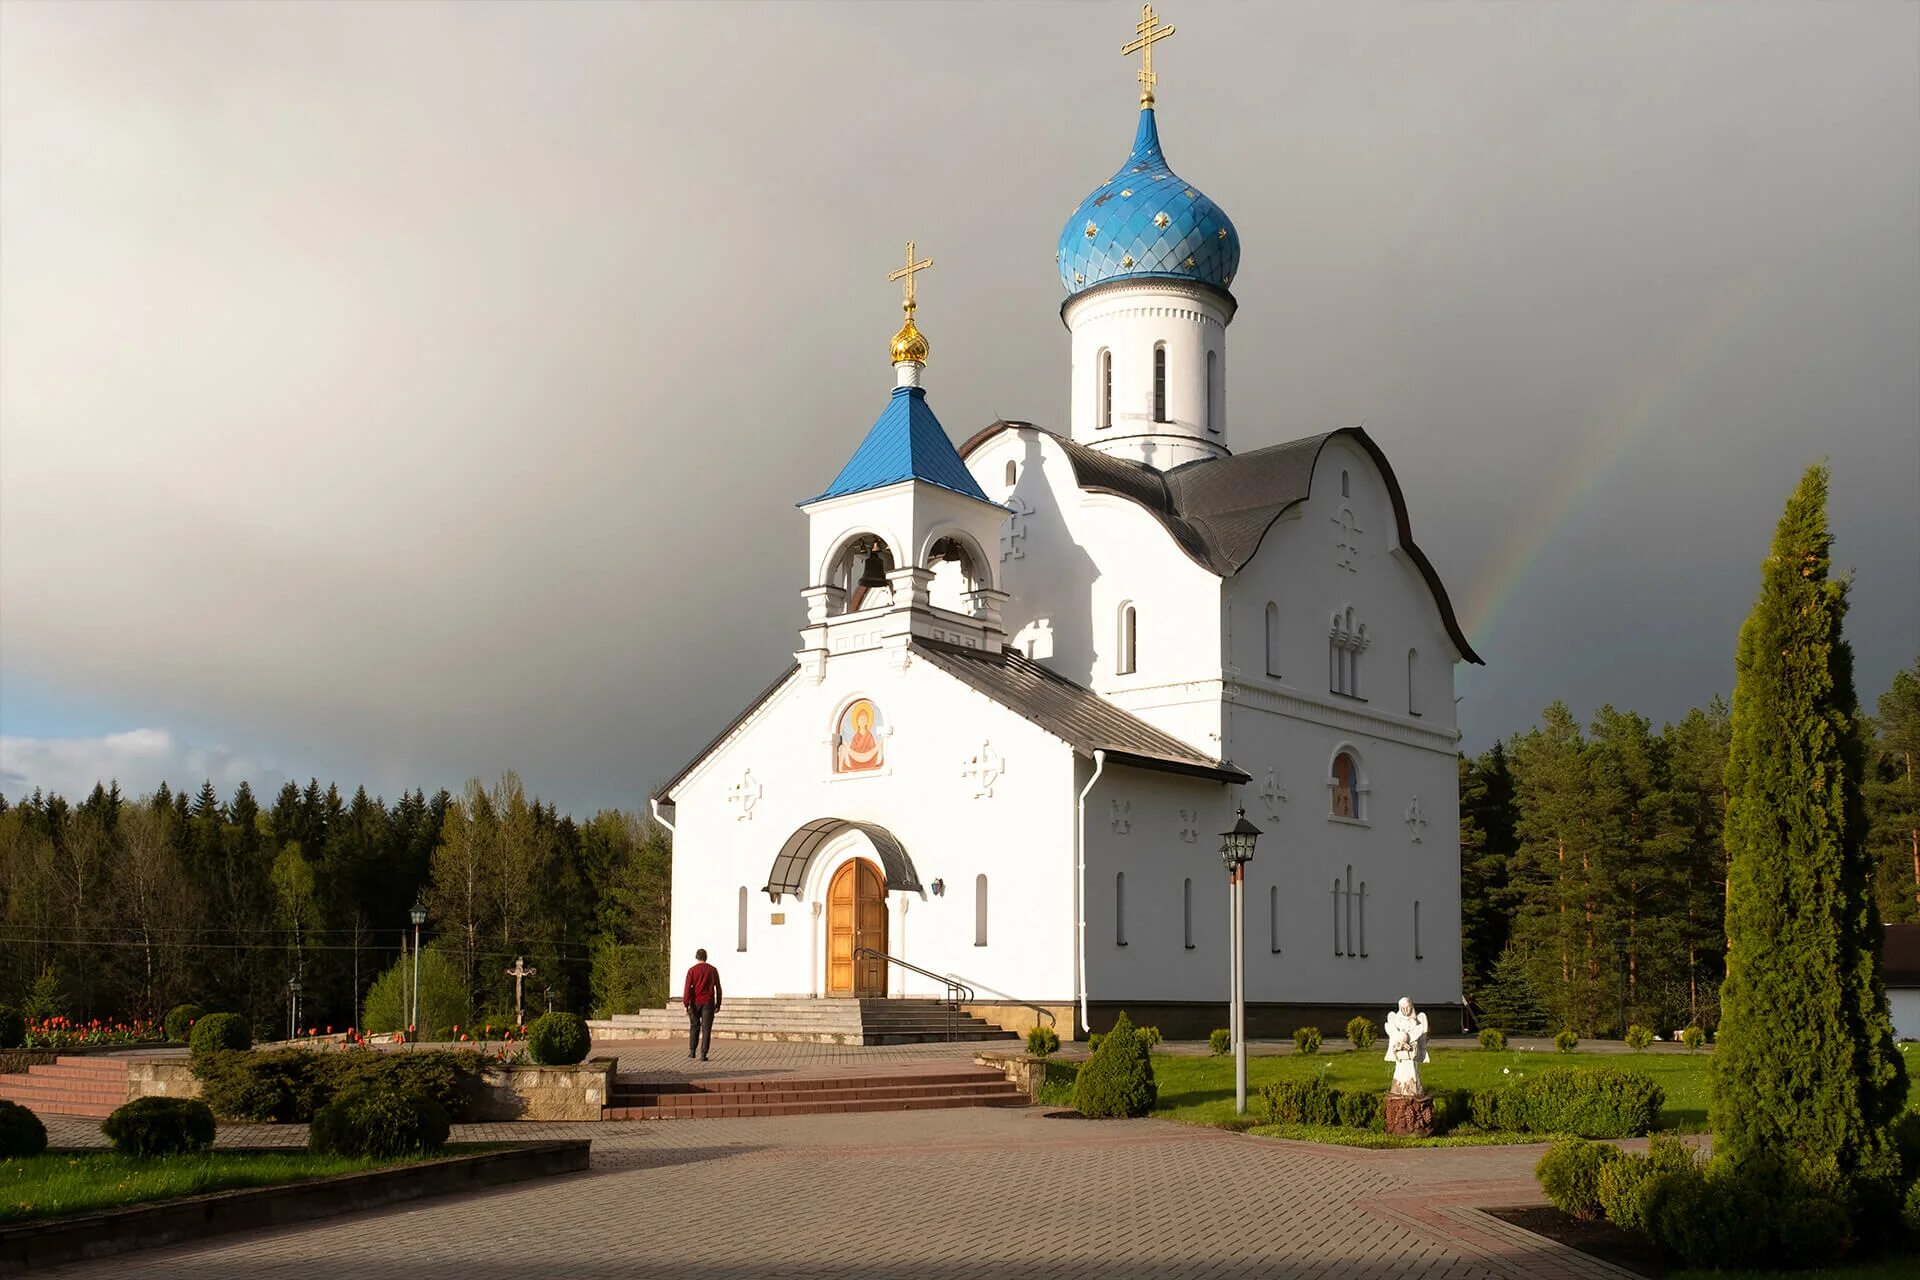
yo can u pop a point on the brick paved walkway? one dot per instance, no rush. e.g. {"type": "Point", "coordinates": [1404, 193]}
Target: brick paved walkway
{"type": "Point", "coordinates": [935, 1195]}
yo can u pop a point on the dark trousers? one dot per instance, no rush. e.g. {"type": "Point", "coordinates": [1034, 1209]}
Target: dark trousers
{"type": "Point", "coordinates": [699, 1029]}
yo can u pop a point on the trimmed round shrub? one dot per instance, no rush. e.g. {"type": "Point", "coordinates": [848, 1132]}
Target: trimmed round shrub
{"type": "Point", "coordinates": [1093, 1041]}
{"type": "Point", "coordinates": [218, 1031]}
{"type": "Point", "coordinates": [1569, 1175]}
{"type": "Point", "coordinates": [21, 1133]}
{"type": "Point", "coordinates": [1567, 1041]}
{"type": "Point", "coordinates": [1118, 1080]}
{"type": "Point", "coordinates": [1042, 1041]}
{"type": "Point", "coordinates": [1760, 1214]}
{"type": "Point", "coordinates": [1360, 1110]}
{"type": "Point", "coordinates": [1910, 1212]}
{"type": "Point", "coordinates": [1360, 1033]}
{"type": "Point", "coordinates": [13, 1027]}
{"type": "Point", "coordinates": [558, 1039]}
{"type": "Point", "coordinates": [378, 1122]}
{"type": "Point", "coordinates": [179, 1021]}
{"type": "Point", "coordinates": [1620, 1189]}
{"type": "Point", "coordinates": [1693, 1037]}
{"type": "Point", "coordinates": [1592, 1102]}
{"type": "Point", "coordinates": [1220, 1040]}
{"type": "Point", "coordinates": [160, 1127]}
{"type": "Point", "coordinates": [1638, 1037]}
{"type": "Point", "coordinates": [1306, 1039]}
{"type": "Point", "coordinates": [1149, 1036]}
{"type": "Point", "coordinates": [1493, 1039]}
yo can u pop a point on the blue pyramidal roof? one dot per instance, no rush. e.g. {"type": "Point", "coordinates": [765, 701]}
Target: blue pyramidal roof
{"type": "Point", "coordinates": [906, 442]}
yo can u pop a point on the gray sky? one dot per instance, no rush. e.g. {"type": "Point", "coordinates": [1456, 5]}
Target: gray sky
{"type": "Point", "coordinates": [403, 392]}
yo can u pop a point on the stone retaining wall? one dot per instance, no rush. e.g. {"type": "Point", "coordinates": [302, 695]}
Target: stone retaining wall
{"type": "Point", "coordinates": [517, 1091]}
{"type": "Point", "coordinates": [161, 1078]}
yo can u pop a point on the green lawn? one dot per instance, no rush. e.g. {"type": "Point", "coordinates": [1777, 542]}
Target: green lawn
{"type": "Point", "coordinates": [1891, 1268]}
{"type": "Point", "coordinates": [1200, 1090]}
{"type": "Point", "coordinates": [56, 1185]}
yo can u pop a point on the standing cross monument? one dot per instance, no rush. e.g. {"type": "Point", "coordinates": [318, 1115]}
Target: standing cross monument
{"type": "Point", "coordinates": [520, 972]}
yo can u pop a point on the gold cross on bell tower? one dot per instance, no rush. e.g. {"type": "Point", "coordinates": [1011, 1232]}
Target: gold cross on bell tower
{"type": "Point", "coordinates": [1151, 32]}
{"type": "Point", "coordinates": [907, 273]}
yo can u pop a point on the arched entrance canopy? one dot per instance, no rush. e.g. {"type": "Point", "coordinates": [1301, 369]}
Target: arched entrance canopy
{"type": "Point", "coordinates": [790, 864]}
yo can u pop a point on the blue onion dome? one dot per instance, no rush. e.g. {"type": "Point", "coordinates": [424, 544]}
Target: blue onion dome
{"type": "Point", "coordinates": [1145, 222]}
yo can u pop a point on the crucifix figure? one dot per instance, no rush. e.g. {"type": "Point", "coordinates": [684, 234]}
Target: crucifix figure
{"type": "Point", "coordinates": [520, 972]}
{"type": "Point", "coordinates": [1151, 33]}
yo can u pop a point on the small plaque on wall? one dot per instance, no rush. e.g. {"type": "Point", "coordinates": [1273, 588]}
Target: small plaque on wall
{"type": "Point", "coordinates": [779, 917]}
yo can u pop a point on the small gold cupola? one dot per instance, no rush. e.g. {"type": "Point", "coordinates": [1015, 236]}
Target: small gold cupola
{"type": "Point", "coordinates": [910, 347]}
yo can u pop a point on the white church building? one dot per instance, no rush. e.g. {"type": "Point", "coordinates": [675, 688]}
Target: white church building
{"type": "Point", "coordinates": [1039, 673]}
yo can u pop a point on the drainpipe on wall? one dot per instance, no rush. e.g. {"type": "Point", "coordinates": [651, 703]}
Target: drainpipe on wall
{"type": "Point", "coordinates": [654, 803]}
{"type": "Point", "coordinates": [1080, 975]}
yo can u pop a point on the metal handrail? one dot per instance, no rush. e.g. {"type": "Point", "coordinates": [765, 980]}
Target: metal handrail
{"type": "Point", "coordinates": [1042, 1010]}
{"type": "Point", "coordinates": [957, 992]}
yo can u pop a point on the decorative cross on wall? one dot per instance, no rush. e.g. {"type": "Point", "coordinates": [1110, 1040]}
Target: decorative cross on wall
{"type": "Point", "coordinates": [1346, 546]}
{"type": "Point", "coordinates": [1014, 536]}
{"type": "Point", "coordinates": [1272, 794]}
{"type": "Point", "coordinates": [1189, 825]}
{"type": "Point", "coordinates": [984, 766]}
{"type": "Point", "coordinates": [1122, 817]}
{"type": "Point", "coordinates": [1416, 821]}
{"type": "Point", "coordinates": [743, 795]}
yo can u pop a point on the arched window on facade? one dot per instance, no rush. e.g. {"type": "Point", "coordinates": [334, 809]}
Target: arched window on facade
{"type": "Point", "coordinates": [1013, 473]}
{"type": "Point", "coordinates": [1273, 638]}
{"type": "Point", "coordinates": [980, 911]}
{"type": "Point", "coordinates": [1103, 388]}
{"type": "Point", "coordinates": [1345, 643]}
{"type": "Point", "coordinates": [1413, 666]}
{"type": "Point", "coordinates": [1186, 910]}
{"type": "Point", "coordinates": [1346, 787]}
{"type": "Point", "coordinates": [1160, 383]}
{"type": "Point", "coordinates": [1119, 908]}
{"type": "Point", "coordinates": [1273, 918]}
{"type": "Point", "coordinates": [1126, 657]}
{"type": "Point", "coordinates": [1213, 412]}
{"type": "Point", "coordinates": [742, 944]}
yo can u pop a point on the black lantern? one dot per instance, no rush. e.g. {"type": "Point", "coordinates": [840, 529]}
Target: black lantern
{"type": "Point", "coordinates": [1236, 846]}
{"type": "Point", "coordinates": [418, 914]}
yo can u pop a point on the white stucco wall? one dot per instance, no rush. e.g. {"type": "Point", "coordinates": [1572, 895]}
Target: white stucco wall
{"type": "Point", "coordinates": [1021, 837]}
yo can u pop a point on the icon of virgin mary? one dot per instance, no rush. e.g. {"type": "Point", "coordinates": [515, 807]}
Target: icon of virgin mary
{"type": "Point", "coordinates": [858, 749]}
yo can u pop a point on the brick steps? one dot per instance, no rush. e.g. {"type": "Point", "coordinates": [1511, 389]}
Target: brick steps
{"type": "Point", "coordinates": [820, 1095]}
{"type": "Point", "coordinates": [69, 1086]}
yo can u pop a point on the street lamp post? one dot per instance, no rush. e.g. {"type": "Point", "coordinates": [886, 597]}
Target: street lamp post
{"type": "Point", "coordinates": [1236, 851]}
{"type": "Point", "coordinates": [1620, 956]}
{"type": "Point", "coordinates": [419, 916]}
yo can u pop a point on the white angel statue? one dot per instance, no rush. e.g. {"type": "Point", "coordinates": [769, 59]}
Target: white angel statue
{"type": "Point", "coordinates": [1406, 1048]}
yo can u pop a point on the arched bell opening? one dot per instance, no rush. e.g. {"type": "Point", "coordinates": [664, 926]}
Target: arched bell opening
{"type": "Point", "coordinates": [859, 570]}
{"type": "Point", "coordinates": [959, 569]}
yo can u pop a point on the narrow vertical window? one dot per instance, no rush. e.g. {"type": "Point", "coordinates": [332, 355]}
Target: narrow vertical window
{"type": "Point", "coordinates": [980, 911]}
{"type": "Point", "coordinates": [1103, 389]}
{"type": "Point", "coordinates": [1353, 661]}
{"type": "Point", "coordinates": [1013, 473]}
{"type": "Point", "coordinates": [1346, 787]}
{"type": "Point", "coordinates": [1363, 919]}
{"type": "Point", "coordinates": [1126, 658]}
{"type": "Point", "coordinates": [1413, 665]}
{"type": "Point", "coordinates": [742, 944]}
{"type": "Point", "coordinates": [1347, 919]}
{"type": "Point", "coordinates": [1416, 930]}
{"type": "Point", "coordinates": [1273, 638]}
{"type": "Point", "coordinates": [1273, 918]}
{"type": "Point", "coordinates": [1213, 416]}
{"type": "Point", "coordinates": [1160, 383]}
{"type": "Point", "coordinates": [1344, 491]}
{"type": "Point", "coordinates": [1186, 909]}
{"type": "Point", "coordinates": [1119, 908]}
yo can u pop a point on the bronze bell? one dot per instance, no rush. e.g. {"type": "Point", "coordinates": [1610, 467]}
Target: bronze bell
{"type": "Point", "coordinates": [875, 573]}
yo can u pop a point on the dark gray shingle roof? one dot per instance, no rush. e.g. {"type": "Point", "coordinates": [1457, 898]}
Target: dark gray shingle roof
{"type": "Point", "coordinates": [1071, 712]}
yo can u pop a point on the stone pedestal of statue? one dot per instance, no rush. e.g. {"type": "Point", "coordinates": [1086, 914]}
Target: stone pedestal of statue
{"type": "Point", "coordinates": [1410, 1117]}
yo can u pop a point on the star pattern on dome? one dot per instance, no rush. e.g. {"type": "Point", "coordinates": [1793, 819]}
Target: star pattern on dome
{"type": "Point", "coordinates": [1154, 236]}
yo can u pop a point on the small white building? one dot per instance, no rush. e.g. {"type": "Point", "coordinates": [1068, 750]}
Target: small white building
{"type": "Point", "coordinates": [1900, 964]}
{"type": "Point", "coordinates": [1038, 674]}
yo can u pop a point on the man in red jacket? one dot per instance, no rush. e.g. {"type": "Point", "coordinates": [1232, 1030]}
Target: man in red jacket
{"type": "Point", "coordinates": [702, 998]}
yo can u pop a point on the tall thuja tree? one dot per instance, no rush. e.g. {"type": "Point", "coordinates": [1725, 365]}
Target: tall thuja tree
{"type": "Point", "coordinates": [1806, 1065]}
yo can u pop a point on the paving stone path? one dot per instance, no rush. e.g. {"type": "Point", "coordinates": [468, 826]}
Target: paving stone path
{"type": "Point", "coordinates": [931, 1195]}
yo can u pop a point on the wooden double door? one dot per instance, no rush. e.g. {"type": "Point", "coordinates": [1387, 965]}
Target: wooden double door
{"type": "Point", "coordinates": [856, 918]}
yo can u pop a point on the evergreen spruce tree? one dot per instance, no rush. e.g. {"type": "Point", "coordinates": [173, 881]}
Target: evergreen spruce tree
{"type": "Point", "coordinates": [1806, 1065]}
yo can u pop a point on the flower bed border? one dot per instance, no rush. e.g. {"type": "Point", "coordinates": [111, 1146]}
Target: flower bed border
{"type": "Point", "coordinates": [30, 1246]}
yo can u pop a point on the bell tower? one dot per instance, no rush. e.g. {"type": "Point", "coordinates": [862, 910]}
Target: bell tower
{"type": "Point", "coordinates": [896, 545]}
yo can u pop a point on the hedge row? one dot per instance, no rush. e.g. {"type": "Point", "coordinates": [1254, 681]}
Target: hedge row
{"type": "Point", "coordinates": [1315, 1102]}
{"type": "Point", "coordinates": [291, 1085]}
{"type": "Point", "coordinates": [1591, 1102]}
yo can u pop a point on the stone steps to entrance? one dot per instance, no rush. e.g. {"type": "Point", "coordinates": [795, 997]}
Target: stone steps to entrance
{"type": "Point", "coordinates": [791, 1096]}
{"type": "Point", "coordinates": [69, 1086]}
{"type": "Point", "coordinates": [829, 1021]}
